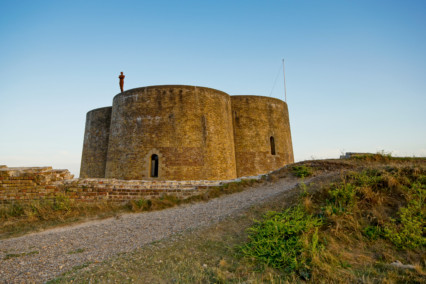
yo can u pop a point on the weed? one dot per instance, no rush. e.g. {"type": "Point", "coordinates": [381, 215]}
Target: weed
{"type": "Point", "coordinates": [380, 156]}
{"type": "Point", "coordinates": [408, 231]}
{"type": "Point", "coordinates": [384, 205]}
{"type": "Point", "coordinates": [73, 270]}
{"type": "Point", "coordinates": [80, 250]}
{"type": "Point", "coordinates": [12, 255]}
{"type": "Point", "coordinates": [61, 203]}
{"type": "Point", "coordinates": [21, 217]}
{"type": "Point", "coordinates": [284, 240]}
{"type": "Point", "coordinates": [302, 171]}
{"type": "Point", "coordinates": [341, 199]}
{"type": "Point", "coordinates": [348, 247]}
{"type": "Point", "coordinates": [373, 232]}
{"type": "Point", "coordinates": [140, 205]}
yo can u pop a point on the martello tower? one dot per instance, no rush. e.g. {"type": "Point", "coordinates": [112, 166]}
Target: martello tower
{"type": "Point", "coordinates": [176, 132]}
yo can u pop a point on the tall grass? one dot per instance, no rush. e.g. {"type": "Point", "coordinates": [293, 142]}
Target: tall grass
{"type": "Point", "coordinates": [21, 217]}
{"type": "Point", "coordinates": [382, 207]}
{"type": "Point", "coordinates": [286, 240]}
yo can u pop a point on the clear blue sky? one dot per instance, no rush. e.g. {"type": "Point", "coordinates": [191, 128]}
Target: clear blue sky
{"type": "Point", "coordinates": [355, 70]}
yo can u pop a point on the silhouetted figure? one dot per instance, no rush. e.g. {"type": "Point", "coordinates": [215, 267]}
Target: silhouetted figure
{"type": "Point", "coordinates": [121, 77]}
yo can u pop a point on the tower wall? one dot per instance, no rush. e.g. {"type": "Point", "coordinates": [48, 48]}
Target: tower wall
{"type": "Point", "coordinates": [256, 119]}
{"type": "Point", "coordinates": [95, 145]}
{"type": "Point", "coordinates": [189, 129]}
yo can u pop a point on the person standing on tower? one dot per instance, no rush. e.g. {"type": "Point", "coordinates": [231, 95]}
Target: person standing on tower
{"type": "Point", "coordinates": [121, 77]}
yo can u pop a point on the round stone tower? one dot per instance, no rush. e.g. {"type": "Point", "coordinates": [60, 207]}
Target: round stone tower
{"type": "Point", "coordinates": [261, 134]}
{"type": "Point", "coordinates": [171, 133]}
{"type": "Point", "coordinates": [177, 132]}
{"type": "Point", "coordinates": [95, 146]}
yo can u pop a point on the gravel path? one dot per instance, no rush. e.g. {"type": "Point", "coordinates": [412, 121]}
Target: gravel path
{"type": "Point", "coordinates": [46, 255]}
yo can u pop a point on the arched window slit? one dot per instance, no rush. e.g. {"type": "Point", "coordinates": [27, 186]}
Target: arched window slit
{"type": "Point", "coordinates": [272, 145]}
{"type": "Point", "coordinates": [154, 165]}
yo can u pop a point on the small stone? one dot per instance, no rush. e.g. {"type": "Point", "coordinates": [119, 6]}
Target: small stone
{"type": "Point", "coordinates": [399, 264]}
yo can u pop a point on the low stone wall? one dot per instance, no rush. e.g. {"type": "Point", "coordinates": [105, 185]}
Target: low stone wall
{"type": "Point", "coordinates": [26, 184]}
{"type": "Point", "coordinates": [30, 183]}
{"type": "Point", "coordinates": [90, 189]}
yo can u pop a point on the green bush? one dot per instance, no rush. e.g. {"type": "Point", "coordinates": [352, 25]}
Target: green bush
{"type": "Point", "coordinates": [409, 229]}
{"type": "Point", "coordinates": [422, 180]}
{"type": "Point", "coordinates": [341, 199]}
{"type": "Point", "coordinates": [372, 232]}
{"type": "Point", "coordinates": [371, 177]}
{"type": "Point", "coordinates": [284, 240]}
{"type": "Point", "coordinates": [302, 171]}
{"type": "Point", "coordinates": [380, 156]}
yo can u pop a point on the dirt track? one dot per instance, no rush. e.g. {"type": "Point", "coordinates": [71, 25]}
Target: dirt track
{"type": "Point", "coordinates": [43, 256]}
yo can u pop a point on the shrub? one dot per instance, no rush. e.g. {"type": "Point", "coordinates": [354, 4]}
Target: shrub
{"type": "Point", "coordinates": [11, 210]}
{"type": "Point", "coordinates": [372, 232]}
{"type": "Point", "coordinates": [284, 240]}
{"type": "Point", "coordinates": [140, 204]}
{"type": "Point", "coordinates": [409, 229]}
{"type": "Point", "coordinates": [302, 171]}
{"type": "Point", "coordinates": [380, 156]}
{"type": "Point", "coordinates": [61, 203]}
{"type": "Point", "coordinates": [341, 199]}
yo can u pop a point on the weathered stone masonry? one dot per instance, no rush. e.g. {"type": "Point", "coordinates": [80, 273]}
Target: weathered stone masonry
{"type": "Point", "coordinates": [158, 140]}
{"type": "Point", "coordinates": [177, 132]}
{"type": "Point", "coordinates": [26, 184]}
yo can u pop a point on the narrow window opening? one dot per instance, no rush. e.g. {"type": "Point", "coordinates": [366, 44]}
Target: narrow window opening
{"type": "Point", "coordinates": [272, 145]}
{"type": "Point", "coordinates": [154, 165]}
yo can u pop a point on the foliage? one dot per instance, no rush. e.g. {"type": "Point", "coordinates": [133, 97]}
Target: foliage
{"type": "Point", "coordinates": [408, 231]}
{"type": "Point", "coordinates": [350, 245]}
{"type": "Point", "coordinates": [284, 240]}
{"type": "Point", "coordinates": [380, 156]}
{"type": "Point", "coordinates": [341, 199]}
{"type": "Point", "coordinates": [12, 210]}
{"type": "Point", "coordinates": [61, 202]}
{"type": "Point", "coordinates": [140, 204]}
{"type": "Point", "coordinates": [372, 232]}
{"type": "Point", "coordinates": [383, 206]}
{"type": "Point", "coordinates": [396, 186]}
{"type": "Point", "coordinates": [302, 171]}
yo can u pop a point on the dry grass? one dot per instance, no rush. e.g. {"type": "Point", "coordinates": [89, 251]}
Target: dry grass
{"type": "Point", "coordinates": [20, 218]}
{"type": "Point", "coordinates": [212, 255]}
{"type": "Point", "coordinates": [201, 256]}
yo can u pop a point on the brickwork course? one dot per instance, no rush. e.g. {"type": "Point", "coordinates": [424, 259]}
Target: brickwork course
{"type": "Point", "coordinates": [45, 183]}
{"type": "Point", "coordinates": [178, 132]}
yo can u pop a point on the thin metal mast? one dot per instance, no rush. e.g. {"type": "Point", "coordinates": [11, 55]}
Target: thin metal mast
{"type": "Point", "coordinates": [285, 88]}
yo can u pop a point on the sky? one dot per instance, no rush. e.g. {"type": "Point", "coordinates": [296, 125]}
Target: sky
{"type": "Point", "coordinates": [355, 70]}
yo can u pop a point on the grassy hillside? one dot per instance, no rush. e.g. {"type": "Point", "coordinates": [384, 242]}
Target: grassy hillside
{"type": "Point", "coordinates": [362, 220]}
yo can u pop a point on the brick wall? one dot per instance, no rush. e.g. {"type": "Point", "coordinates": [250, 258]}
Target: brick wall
{"type": "Point", "coordinates": [26, 184]}
{"type": "Point", "coordinates": [30, 183]}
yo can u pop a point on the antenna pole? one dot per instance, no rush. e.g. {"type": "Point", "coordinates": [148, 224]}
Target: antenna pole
{"type": "Point", "coordinates": [285, 88]}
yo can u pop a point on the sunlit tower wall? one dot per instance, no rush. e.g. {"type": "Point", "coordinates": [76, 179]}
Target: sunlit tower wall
{"type": "Point", "coordinates": [262, 134]}
{"type": "Point", "coordinates": [171, 132]}
{"type": "Point", "coordinates": [95, 145]}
